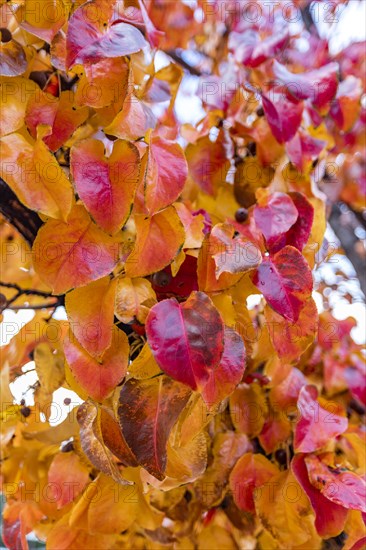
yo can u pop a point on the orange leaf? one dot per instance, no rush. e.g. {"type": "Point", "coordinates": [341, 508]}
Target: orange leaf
{"type": "Point", "coordinates": [251, 471]}
{"type": "Point", "coordinates": [166, 173]}
{"type": "Point", "coordinates": [90, 313]}
{"type": "Point", "coordinates": [73, 253]}
{"type": "Point", "coordinates": [148, 256]}
{"type": "Point", "coordinates": [67, 477]}
{"type": "Point", "coordinates": [35, 176]}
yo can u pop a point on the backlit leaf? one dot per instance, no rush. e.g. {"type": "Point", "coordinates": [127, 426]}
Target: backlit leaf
{"type": "Point", "coordinates": [35, 176]}
{"type": "Point", "coordinates": [93, 34]}
{"type": "Point", "coordinates": [319, 421]}
{"type": "Point", "coordinates": [73, 253]}
{"type": "Point", "coordinates": [285, 281]}
{"type": "Point", "coordinates": [98, 377]}
{"type": "Point", "coordinates": [90, 312]}
{"type": "Point", "coordinates": [106, 185]}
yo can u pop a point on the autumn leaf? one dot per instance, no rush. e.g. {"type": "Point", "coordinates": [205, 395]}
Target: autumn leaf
{"type": "Point", "coordinates": [285, 281]}
{"type": "Point", "coordinates": [274, 215]}
{"type": "Point", "coordinates": [60, 114]}
{"type": "Point", "coordinates": [98, 377]}
{"type": "Point", "coordinates": [93, 34]}
{"type": "Point", "coordinates": [319, 421]}
{"type": "Point", "coordinates": [339, 485]}
{"type": "Point", "coordinates": [147, 256]}
{"type": "Point", "coordinates": [329, 517]}
{"type": "Point", "coordinates": [251, 471]}
{"type": "Point", "coordinates": [146, 411]}
{"type": "Point", "coordinates": [32, 171]}
{"type": "Point", "coordinates": [283, 114]}
{"type": "Point", "coordinates": [187, 340]}
{"type": "Point", "coordinates": [84, 254]}
{"type": "Point", "coordinates": [90, 312]}
{"type": "Point", "coordinates": [67, 477]}
{"type": "Point", "coordinates": [92, 443]}
{"type": "Point", "coordinates": [133, 299]}
{"type": "Point", "coordinates": [106, 185]}
{"type": "Point", "coordinates": [232, 252]}
{"type": "Point", "coordinates": [319, 85]}
{"type": "Point", "coordinates": [165, 175]}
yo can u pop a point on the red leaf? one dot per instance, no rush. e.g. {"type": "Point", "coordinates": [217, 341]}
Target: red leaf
{"type": "Point", "coordinates": [61, 114]}
{"type": "Point", "coordinates": [147, 411]}
{"type": "Point", "coordinates": [285, 281]}
{"type": "Point", "coordinates": [346, 107]}
{"type": "Point", "coordinates": [250, 49]}
{"type": "Point", "coordinates": [338, 485]}
{"type": "Point", "coordinates": [287, 392]}
{"type": "Point", "coordinates": [184, 282]}
{"type": "Point", "coordinates": [274, 215]}
{"type": "Point", "coordinates": [106, 185]}
{"type": "Point", "coordinates": [283, 114]}
{"type": "Point", "coordinates": [187, 340]}
{"type": "Point", "coordinates": [94, 33]}
{"type": "Point", "coordinates": [224, 378]}
{"type": "Point", "coordinates": [303, 148]}
{"type": "Point", "coordinates": [329, 517]}
{"type": "Point", "coordinates": [166, 174]}
{"type": "Point", "coordinates": [299, 233]}
{"type": "Point", "coordinates": [319, 85]}
{"type": "Point", "coordinates": [319, 421]}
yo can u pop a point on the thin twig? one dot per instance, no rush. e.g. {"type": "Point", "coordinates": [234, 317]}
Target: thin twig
{"type": "Point", "coordinates": [38, 306]}
{"type": "Point", "coordinates": [26, 291]}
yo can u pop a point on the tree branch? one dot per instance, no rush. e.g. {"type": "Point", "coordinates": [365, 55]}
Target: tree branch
{"type": "Point", "coordinates": [344, 222]}
{"type": "Point", "coordinates": [19, 216]}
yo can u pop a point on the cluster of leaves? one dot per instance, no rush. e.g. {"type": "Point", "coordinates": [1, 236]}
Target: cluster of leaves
{"type": "Point", "coordinates": [203, 424]}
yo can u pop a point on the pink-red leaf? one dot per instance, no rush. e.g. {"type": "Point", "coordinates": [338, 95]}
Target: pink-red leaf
{"type": "Point", "coordinates": [166, 174]}
{"type": "Point", "coordinates": [187, 340]}
{"type": "Point", "coordinates": [95, 32]}
{"type": "Point", "coordinates": [338, 485]}
{"type": "Point", "coordinates": [224, 378]}
{"type": "Point", "coordinates": [274, 215]}
{"type": "Point", "coordinates": [106, 185]}
{"type": "Point", "coordinates": [319, 421]}
{"type": "Point", "coordinates": [319, 85]}
{"type": "Point", "coordinates": [329, 517]}
{"type": "Point", "coordinates": [285, 281]}
{"type": "Point", "coordinates": [250, 49]}
{"type": "Point", "coordinates": [283, 114]}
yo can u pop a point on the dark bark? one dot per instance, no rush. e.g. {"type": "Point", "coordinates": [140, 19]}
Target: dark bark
{"type": "Point", "coordinates": [19, 216]}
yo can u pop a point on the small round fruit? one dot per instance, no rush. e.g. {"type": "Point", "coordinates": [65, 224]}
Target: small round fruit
{"type": "Point", "coordinates": [25, 411]}
{"type": "Point", "coordinates": [161, 278]}
{"type": "Point", "coordinates": [241, 215]}
{"type": "Point", "coordinates": [6, 35]}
